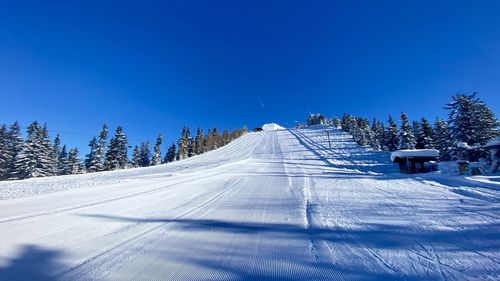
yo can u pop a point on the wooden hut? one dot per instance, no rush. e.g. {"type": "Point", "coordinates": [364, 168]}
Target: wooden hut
{"type": "Point", "coordinates": [494, 147]}
{"type": "Point", "coordinates": [412, 161]}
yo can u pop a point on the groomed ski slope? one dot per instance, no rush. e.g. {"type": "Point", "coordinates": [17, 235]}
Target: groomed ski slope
{"type": "Point", "coordinates": [277, 205]}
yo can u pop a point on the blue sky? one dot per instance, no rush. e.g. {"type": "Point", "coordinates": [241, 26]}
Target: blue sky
{"type": "Point", "coordinates": [155, 66]}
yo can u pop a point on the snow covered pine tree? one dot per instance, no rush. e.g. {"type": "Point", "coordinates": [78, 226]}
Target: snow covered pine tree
{"type": "Point", "coordinates": [406, 140]}
{"type": "Point", "coordinates": [470, 122]}
{"type": "Point", "coordinates": [116, 156]}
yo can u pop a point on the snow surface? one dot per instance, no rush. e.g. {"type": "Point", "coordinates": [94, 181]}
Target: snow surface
{"type": "Point", "coordinates": [275, 205]}
{"type": "Point", "coordinates": [414, 153]}
{"type": "Point", "coordinates": [272, 127]}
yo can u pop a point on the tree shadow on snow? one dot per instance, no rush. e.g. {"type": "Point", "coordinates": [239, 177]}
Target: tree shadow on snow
{"type": "Point", "coordinates": [476, 238]}
{"type": "Point", "coordinates": [33, 263]}
{"type": "Point", "coordinates": [352, 157]}
{"type": "Point", "coordinates": [373, 235]}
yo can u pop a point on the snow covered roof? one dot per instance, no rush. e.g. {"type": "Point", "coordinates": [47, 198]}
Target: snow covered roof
{"type": "Point", "coordinates": [414, 153]}
{"type": "Point", "coordinates": [272, 127]}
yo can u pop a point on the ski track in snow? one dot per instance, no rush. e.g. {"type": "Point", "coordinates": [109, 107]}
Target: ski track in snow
{"type": "Point", "coordinates": [275, 205]}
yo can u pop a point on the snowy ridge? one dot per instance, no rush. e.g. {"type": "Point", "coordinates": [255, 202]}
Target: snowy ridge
{"type": "Point", "coordinates": [274, 205]}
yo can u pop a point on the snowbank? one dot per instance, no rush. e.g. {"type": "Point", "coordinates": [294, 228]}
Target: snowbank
{"type": "Point", "coordinates": [491, 180]}
{"type": "Point", "coordinates": [272, 127]}
{"type": "Point", "coordinates": [414, 153]}
{"type": "Point", "coordinates": [448, 167]}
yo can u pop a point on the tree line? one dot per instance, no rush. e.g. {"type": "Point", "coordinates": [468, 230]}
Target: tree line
{"type": "Point", "coordinates": [470, 125]}
{"type": "Point", "coordinates": [37, 155]}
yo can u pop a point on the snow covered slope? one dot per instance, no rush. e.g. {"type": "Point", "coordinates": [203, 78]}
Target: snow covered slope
{"type": "Point", "coordinates": [277, 205]}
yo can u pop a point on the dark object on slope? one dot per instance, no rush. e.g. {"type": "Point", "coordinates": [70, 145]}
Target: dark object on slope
{"type": "Point", "coordinates": [257, 130]}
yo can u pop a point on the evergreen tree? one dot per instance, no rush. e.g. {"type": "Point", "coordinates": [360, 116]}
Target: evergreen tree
{"type": "Point", "coordinates": [471, 122]}
{"type": "Point", "coordinates": [375, 126]}
{"type": "Point", "coordinates": [182, 151]}
{"type": "Point", "coordinates": [336, 122]}
{"type": "Point", "coordinates": [243, 131]}
{"type": "Point", "coordinates": [63, 162]}
{"type": "Point", "coordinates": [199, 142]}
{"type": "Point", "coordinates": [116, 156]}
{"type": "Point", "coordinates": [371, 136]}
{"type": "Point", "coordinates": [3, 153]}
{"type": "Point", "coordinates": [237, 133]}
{"type": "Point", "coordinates": [216, 139]}
{"type": "Point", "coordinates": [225, 138]}
{"type": "Point", "coordinates": [315, 119]}
{"type": "Point", "coordinates": [362, 131]}
{"type": "Point", "coordinates": [14, 145]}
{"type": "Point", "coordinates": [74, 164]}
{"type": "Point", "coordinates": [98, 159]}
{"type": "Point", "coordinates": [47, 163]}
{"type": "Point", "coordinates": [191, 151]}
{"type": "Point", "coordinates": [354, 130]}
{"type": "Point", "coordinates": [170, 155]}
{"type": "Point", "coordinates": [406, 140]}
{"type": "Point", "coordinates": [34, 159]}
{"type": "Point", "coordinates": [156, 160]}
{"type": "Point", "coordinates": [145, 154]}
{"type": "Point", "coordinates": [56, 150]}
{"type": "Point", "coordinates": [424, 137]}
{"type": "Point", "coordinates": [378, 130]}
{"type": "Point", "coordinates": [345, 123]}
{"type": "Point", "coordinates": [391, 138]}
{"type": "Point", "coordinates": [416, 128]}
{"type": "Point", "coordinates": [209, 141]}
{"type": "Point", "coordinates": [90, 159]}
{"type": "Point", "coordinates": [382, 136]}
{"type": "Point", "coordinates": [136, 157]}
{"type": "Point", "coordinates": [441, 138]}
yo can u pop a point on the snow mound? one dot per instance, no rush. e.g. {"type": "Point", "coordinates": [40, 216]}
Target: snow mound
{"type": "Point", "coordinates": [414, 153]}
{"type": "Point", "coordinates": [272, 127]}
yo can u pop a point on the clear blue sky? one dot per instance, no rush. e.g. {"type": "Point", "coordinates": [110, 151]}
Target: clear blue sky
{"type": "Point", "coordinates": [155, 66]}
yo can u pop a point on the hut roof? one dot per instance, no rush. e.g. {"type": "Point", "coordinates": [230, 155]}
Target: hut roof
{"type": "Point", "coordinates": [414, 153]}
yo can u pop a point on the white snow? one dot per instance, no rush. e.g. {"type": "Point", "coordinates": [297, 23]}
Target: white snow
{"type": "Point", "coordinates": [462, 144]}
{"type": "Point", "coordinates": [272, 127]}
{"type": "Point", "coordinates": [275, 205]}
{"type": "Point", "coordinates": [414, 153]}
{"type": "Point", "coordinates": [486, 179]}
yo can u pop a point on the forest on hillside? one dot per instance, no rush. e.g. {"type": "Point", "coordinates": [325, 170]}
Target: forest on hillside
{"type": "Point", "coordinates": [470, 125]}
{"type": "Point", "coordinates": [37, 155]}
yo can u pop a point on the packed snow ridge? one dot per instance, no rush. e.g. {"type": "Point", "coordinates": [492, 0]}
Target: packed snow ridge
{"type": "Point", "coordinates": [272, 127]}
{"type": "Point", "coordinates": [272, 205]}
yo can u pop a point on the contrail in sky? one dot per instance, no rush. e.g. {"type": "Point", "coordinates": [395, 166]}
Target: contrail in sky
{"type": "Point", "coordinates": [261, 103]}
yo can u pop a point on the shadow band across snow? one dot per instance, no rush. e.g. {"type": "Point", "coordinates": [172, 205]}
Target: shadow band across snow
{"type": "Point", "coordinates": [33, 263]}
{"type": "Point", "coordinates": [481, 238]}
{"type": "Point", "coordinates": [382, 236]}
